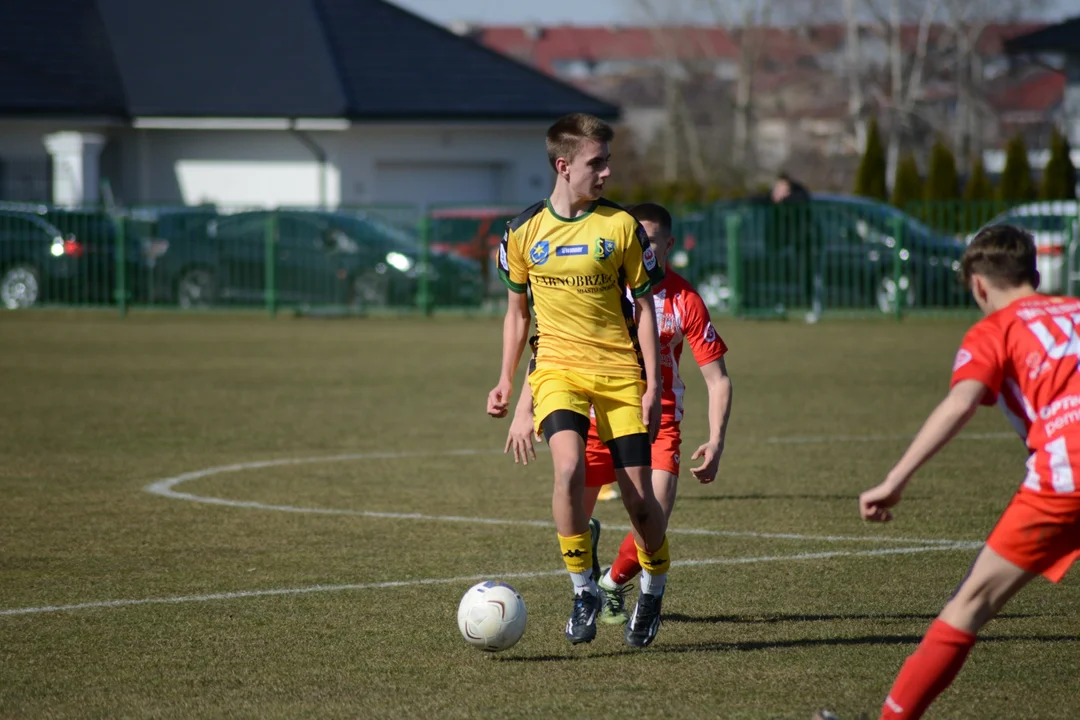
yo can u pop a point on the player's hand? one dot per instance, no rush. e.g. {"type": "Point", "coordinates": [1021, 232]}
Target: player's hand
{"type": "Point", "coordinates": [499, 399]}
{"type": "Point", "coordinates": [874, 504]}
{"type": "Point", "coordinates": [650, 412]}
{"type": "Point", "coordinates": [520, 438]}
{"type": "Point", "coordinates": [706, 471]}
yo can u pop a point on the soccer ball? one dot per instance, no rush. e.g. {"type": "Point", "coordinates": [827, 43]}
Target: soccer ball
{"type": "Point", "coordinates": [491, 616]}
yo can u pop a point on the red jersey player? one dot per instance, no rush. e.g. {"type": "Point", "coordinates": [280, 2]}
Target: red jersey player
{"type": "Point", "coordinates": [681, 314]}
{"type": "Point", "coordinates": [1023, 356]}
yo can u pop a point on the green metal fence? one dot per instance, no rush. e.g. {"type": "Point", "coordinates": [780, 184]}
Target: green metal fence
{"type": "Point", "coordinates": [347, 260]}
{"type": "Point", "coordinates": [841, 255]}
{"type": "Point", "coordinates": [834, 256]}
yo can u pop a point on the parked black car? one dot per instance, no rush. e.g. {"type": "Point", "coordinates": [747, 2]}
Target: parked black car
{"type": "Point", "coordinates": [833, 252]}
{"type": "Point", "coordinates": [57, 256]}
{"type": "Point", "coordinates": [318, 258]}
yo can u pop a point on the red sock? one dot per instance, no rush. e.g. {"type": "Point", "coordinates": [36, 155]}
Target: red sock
{"type": "Point", "coordinates": [928, 671]}
{"type": "Point", "coordinates": [626, 567]}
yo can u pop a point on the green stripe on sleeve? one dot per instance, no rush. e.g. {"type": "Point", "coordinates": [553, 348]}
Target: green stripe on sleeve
{"type": "Point", "coordinates": [516, 287]}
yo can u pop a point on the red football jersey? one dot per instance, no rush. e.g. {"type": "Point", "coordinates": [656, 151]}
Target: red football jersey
{"type": "Point", "coordinates": [1027, 356]}
{"type": "Point", "coordinates": [681, 314]}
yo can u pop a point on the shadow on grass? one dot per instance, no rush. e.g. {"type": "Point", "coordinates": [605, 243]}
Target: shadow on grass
{"type": "Point", "coordinates": [754, 645]}
{"type": "Point", "coordinates": [772, 619]}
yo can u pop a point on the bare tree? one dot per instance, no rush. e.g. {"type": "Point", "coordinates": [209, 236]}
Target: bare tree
{"type": "Point", "coordinates": [967, 21]}
{"type": "Point", "coordinates": [680, 120]}
{"type": "Point", "coordinates": [856, 101]}
{"type": "Point", "coordinates": [746, 20]}
{"type": "Point", "coordinates": [888, 18]}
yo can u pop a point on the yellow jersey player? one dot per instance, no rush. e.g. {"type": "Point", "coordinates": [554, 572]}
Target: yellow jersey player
{"type": "Point", "coordinates": [579, 254]}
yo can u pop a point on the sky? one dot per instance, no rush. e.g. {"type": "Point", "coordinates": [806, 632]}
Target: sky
{"type": "Point", "coordinates": [582, 12]}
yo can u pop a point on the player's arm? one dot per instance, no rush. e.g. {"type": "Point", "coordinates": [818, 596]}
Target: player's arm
{"type": "Point", "coordinates": [515, 275]}
{"type": "Point", "coordinates": [522, 427]}
{"type": "Point", "coordinates": [515, 334]}
{"type": "Point", "coordinates": [708, 348]}
{"type": "Point", "coordinates": [649, 341]}
{"type": "Point", "coordinates": [947, 419]}
{"type": "Point", "coordinates": [718, 383]}
{"type": "Point", "coordinates": [642, 272]}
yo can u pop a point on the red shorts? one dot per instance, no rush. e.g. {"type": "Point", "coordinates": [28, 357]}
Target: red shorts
{"type": "Point", "coordinates": [1040, 533]}
{"type": "Point", "coordinates": [665, 454]}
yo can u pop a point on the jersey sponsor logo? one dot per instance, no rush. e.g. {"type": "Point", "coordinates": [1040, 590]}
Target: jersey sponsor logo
{"type": "Point", "coordinates": [962, 358]}
{"type": "Point", "coordinates": [603, 248]}
{"type": "Point", "coordinates": [650, 259]}
{"type": "Point", "coordinates": [1069, 402]}
{"type": "Point", "coordinates": [710, 333]}
{"type": "Point", "coordinates": [539, 252]}
{"type": "Point", "coordinates": [571, 250]}
{"type": "Point", "coordinates": [584, 284]}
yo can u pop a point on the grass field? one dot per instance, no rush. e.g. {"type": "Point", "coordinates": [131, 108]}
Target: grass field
{"type": "Point", "coordinates": [257, 610]}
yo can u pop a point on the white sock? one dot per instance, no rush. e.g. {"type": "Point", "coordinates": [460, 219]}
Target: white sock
{"type": "Point", "coordinates": [583, 582]}
{"type": "Point", "coordinates": [607, 582]}
{"type": "Point", "coordinates": [652, 584]}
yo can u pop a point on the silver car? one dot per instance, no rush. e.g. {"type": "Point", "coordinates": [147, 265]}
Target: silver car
{"type": "Point", "coordinates": [1056, 226]}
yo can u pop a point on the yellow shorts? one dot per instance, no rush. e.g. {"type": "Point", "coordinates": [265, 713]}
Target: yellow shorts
{"type": "Point", "coordinates": [616, 400]}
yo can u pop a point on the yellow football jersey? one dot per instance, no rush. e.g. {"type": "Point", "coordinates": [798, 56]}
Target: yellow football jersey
{"type": "Point", "coordinates": [579, 271]}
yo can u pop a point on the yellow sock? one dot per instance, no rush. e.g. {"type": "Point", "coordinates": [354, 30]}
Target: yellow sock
{"type": "Point", "coordinates": [577, 552]}
{"type": "Point", "coordinates": [655, 563]}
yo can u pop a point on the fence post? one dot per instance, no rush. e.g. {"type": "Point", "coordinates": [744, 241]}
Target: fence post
{"type": "Point", "coordinates": [734, 264]}
{"type": "Point", "coordinates": [423, 287]}
{"type": "Point", "coordinates": [898, 268]}
{"type": "Point", "coordinates": [121, 266]}
{"type": "Point", "coordinates": [270, 264]}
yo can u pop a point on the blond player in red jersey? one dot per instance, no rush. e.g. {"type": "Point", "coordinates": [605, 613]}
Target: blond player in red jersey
{"type": "Point", "coordinates": [1023, 356]}
{"type": "Point", "coordinates": [681, 315]}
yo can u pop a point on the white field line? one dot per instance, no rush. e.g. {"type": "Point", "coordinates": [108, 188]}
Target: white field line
{"type": "Point", "coordinates": [243, 594]}
{"type": "Point", "coordinates": [165, 488]}
{"type": "Point", "coordinates": [826, 439]}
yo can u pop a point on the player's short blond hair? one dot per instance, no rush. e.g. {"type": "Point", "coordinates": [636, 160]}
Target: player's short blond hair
{"type": "Point", "coordinates": [565, 135]}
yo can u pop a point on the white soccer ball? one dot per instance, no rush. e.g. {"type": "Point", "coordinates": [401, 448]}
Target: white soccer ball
{"type": "Point", "coordinates": [491, 616]}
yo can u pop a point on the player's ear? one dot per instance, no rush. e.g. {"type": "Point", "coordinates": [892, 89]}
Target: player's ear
{"type": "Point", "coordinates": [562, 166]}
{"type": "Point", "coordinates": [978, 288]}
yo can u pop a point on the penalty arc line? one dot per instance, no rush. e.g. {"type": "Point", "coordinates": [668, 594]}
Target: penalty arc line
{"type": "Point", "coordinates": [165, 488]}
{"type": "Point", "coordinates": [244, 594]}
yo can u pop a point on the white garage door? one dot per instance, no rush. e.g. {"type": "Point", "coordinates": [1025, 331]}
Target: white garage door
{"type": "Point", "coordinates": [438, 184]}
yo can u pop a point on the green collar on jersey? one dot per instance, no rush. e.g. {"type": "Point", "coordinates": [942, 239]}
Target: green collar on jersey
{"type": "Point", "coordinates": [579, 218]}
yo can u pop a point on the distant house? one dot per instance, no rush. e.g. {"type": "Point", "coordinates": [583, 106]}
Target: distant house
{"type": "Point", "coordinates": [801, 91]}
{"type": "Point", "coordinates": [1062, 40]}
{"type": "Point", "coordinates": [244, 102]}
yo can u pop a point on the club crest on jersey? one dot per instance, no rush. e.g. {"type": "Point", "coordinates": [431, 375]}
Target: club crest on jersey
{"type": "Point", "coordinates": [650, 259]}
{"type": "Point", "coordinates": [539, 252]}
{"type": "Point", "coordinates": [962, 358]}
{"type": "Point", "coordinates": [603, 248]}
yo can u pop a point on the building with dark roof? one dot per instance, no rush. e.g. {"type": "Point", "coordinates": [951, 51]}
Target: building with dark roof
{"type": "Point", "coordinates": [247, 102]}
